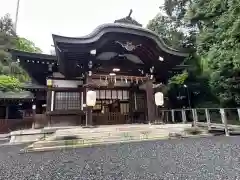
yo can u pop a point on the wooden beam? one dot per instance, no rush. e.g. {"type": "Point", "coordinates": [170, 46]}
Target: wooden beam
{"type": "Point", "coordinates": [119, 77]}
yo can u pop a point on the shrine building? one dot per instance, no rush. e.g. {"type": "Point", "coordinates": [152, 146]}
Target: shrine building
{"type": "Point", "coordinates": [120, 61]}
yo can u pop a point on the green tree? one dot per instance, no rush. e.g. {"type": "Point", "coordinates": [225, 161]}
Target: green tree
{"type": "Point", "coordinates": [170, 24]}
{"type": "Point", "coordinates": [179, 34]}
{"type": "Point", "coordinates": [218, 43]}
{"type": "Point", "coordinates": [186, 24]}
{"type": "Point", "coordinates": [9, 40]}
{"type": "Point", "coordinates": [25, 45]}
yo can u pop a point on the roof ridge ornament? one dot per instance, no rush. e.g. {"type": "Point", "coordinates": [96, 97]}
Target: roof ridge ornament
{"type": "Point", "coordinates": [128, 20]}
{"type": "Point", "coordinates": [130, 13]}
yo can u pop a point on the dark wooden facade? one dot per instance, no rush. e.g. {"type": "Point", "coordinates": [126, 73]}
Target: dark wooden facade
{"type": "Point", "coordinates": [120, 61]}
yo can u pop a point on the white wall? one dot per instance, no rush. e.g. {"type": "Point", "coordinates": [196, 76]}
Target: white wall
{"type": "Point", "coordinates": [66, 83]}
{"type": "Point", "coordinates": [58, 74]}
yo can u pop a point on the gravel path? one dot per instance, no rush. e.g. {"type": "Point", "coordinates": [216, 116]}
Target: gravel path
{"type": "Point", "coordinates": [207, 158]}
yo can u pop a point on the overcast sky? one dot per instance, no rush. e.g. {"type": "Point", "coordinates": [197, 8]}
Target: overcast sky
{"type": "Point", "coordinates": [39, 19]}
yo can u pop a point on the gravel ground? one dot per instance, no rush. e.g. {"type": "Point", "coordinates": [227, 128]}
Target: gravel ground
{"type": "Point", "coordinates": [206, 158]}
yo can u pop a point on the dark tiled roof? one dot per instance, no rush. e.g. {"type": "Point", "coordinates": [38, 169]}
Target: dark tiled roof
{"type": "Point", "coordinates": [121, 27]}
{"type": "Point", "coordinates": [16, 95]}
{"type": "Point", "coordinates": [29, 55]}
{"type": "Point", "coordinates": [128, 20]}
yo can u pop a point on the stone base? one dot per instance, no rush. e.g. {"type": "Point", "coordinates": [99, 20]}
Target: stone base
{"type": "Point", "coordinates": [32, 135]}
{"type": "Point", "coordinates": [107, 134]}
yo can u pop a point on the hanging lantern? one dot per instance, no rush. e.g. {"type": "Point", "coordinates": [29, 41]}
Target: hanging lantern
{"type": "Point", "coordinates": [90, 64]}
{"type": "Point", "coordinates": [91, 98]}
{"type": "Point", "coordinates": [33, 107]}
{"type": "Point", "coordinates": [159, 98]}
{"type": "Point", "coordinates": [49, 82]}
{"type": "Point", "coordinates": [90, 73]}
{"type": "Point", "coordinates": [50, 67]}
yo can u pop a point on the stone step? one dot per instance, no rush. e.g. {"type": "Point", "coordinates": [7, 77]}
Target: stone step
{"type": "Point", "coordinates": [90, 140]}
{"type": "Point", "coordinates": [107, 131]}
{"type": "Point", "coordinates": [109, 134]}
{"type": "Point", "coordinates": [122, 129]}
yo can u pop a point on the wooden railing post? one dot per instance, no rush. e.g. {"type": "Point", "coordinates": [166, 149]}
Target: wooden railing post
{"type": "Point", "coordinates": [238, 110]}
{"type": "Point", "coordinates": [184, 118]}
{"type": "Point", "coordinates": [224, 121]}
{"type": "Point", "coordinates": [208, 119]}
{"type": "Point", "coordinates": [173, 117]}
{"type": "Point", "coordinates": [195, 117]}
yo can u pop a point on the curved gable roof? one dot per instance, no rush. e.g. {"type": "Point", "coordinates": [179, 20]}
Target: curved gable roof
{"type": "Point", "coordinates": [119, 28]}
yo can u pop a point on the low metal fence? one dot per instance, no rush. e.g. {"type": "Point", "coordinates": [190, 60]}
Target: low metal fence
{"type": "Point", "coordinates": [225, 118]}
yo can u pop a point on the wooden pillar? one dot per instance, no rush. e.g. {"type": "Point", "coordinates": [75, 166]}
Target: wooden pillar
{"type": "Point", "coordinates": [131, 106]}
{"type": "Point", "coordinates": [48, 106]}
{"type": "Point", "coordinates": [150, 101]}
{"type": "Point", "coordinates": [6, 112]}
{"type": "Point", "coordinates": [89, 121]}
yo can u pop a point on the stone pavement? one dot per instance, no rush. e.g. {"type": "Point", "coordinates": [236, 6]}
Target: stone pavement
{"type": "Point", "coordinates": [4, 138]}
{"type": "Point", "coordinates": [211, 158]}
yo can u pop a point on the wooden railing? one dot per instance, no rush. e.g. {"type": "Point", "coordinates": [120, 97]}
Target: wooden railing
{"type": "Point", "coordinates": [8, 125]}
{"type": "Point", "coordinates": [213, 115]}
{"type": "Point", "coordinates": [110, 118]}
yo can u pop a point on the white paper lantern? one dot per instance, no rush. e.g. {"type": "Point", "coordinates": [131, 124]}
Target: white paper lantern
{"type": "Point", "coordinates": [159, 99]}
{"type": "Point", "coordinates": [91, 98]}
{"type": "Point", "coordinates": [33, 106]}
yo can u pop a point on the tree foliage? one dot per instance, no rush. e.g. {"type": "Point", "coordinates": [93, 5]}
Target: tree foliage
{"type": "Point", "coordinates": [9, 83]}
{"type": "Point", "coordinates": [178, 79]}
{"type": "Point", "coordinates": [170, 24]}
{"type": "Point", "coordinates": [218, 43]}
{"type": "Point", "coordinates": [25, 45]}
{"type": "Point", "coordinates": [178, 31]}
{"type": "Point", "coordinates": [212, 28]}
{"type": "Point", "coordinates": [10, 70]}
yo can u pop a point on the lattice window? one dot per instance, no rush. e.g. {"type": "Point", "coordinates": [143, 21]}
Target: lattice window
{"type": "Point", "coordinates": [113, 94]}
{"type": "Point", "coordinates": [124, 107]}
{"type": "Point", "coordinates": [67, 100]}
{"type": "Point", "coordinates": [125, 95]}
